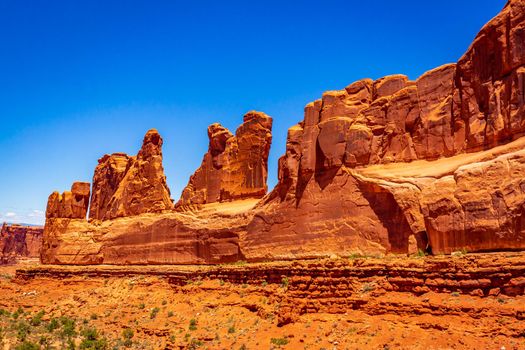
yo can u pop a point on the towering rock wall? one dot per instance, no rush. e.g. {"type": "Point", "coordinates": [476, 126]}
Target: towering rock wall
{"type": "Point", "coordinates": [19, 241]}
{"type": "Point", "coordinates": [235, 167]}
{"type": "Point", "coordinates": [385, 166]}
{"type": "Point", "coordinates": [324, 202]}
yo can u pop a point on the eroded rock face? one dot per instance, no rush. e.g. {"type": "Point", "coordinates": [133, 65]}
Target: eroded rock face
{"type": "Point", "coordinates": [323, 203]}
{"type": "Point", "coordinates": [126, 186]}
{"type": "Point", "coordinates": [385, 166]}
{"type": "Point", "coordinates": [70, 204]}
{"type": "Point", "coordinates": [235, 167]}
{"type": "Point", "coordinates": [19, 241]}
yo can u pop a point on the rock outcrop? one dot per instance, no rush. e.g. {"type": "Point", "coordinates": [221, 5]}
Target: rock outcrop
{"type": "Point", "coordinates": [19, 241]}
{"type": "Point", "coordinates": [384, 166]}
{"type": "Point", "coordinates": [324, 204]}
{"type": "Point", "coordinates": [131, 218]}
{"type": "Point", "coordinates": [127, 186]}
{"type": "Point", "coordinates": [235, 167]}
{"type": "Point", "coordinates": [70, 204]}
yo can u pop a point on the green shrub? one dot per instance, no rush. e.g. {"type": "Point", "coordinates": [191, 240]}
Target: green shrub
{"type": "Point", "coordinates": [37, 319]}
{"type": "Point", "coordinates": [154, 313]}
{"type": "Point", "coordinates": [52, 325]}
{"type": "Point", "coordinates": [279, 341]}
{"type": "Point", "coordinates": [68, 327]}
{"type": "Point", "coordinates": [193, 324]}
{"type": "Point", "coordinates": [17, 313]}
{"type": "Point", "coordinates": [27, 345]}
{"type": "Point", "coordinates": [94, 316]}
{"type": "Point", "coordinates": [22, 330]}
{"type": "Point", "coordinates": [285, 282]}
{"type": "Point", "coordinates": [92, 341]}
{"type": "Point", "coordinates": [127, 333]}
{"type": "Point", "coordinates": [231, 329]}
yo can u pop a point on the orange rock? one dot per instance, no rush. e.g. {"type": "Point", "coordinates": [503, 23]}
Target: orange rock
{"type": "Point", "coordinates": [19, 241]}
{"type": "Point", "coordinates": [126, 186]}
{"type": "Point", "coordinates": [235, 167]}
{"type": "Point", "coordinates": [385, 166]}
{"type": "Point", "coordinates": [70, 204]}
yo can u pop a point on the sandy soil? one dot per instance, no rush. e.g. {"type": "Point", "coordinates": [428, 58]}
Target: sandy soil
{"type": "Point", "coordinates": [213, 314]}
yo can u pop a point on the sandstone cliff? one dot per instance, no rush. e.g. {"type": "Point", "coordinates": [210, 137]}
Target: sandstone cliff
{"type": "Point", "coordinates": [19, 241]}
{"type": "Point", "coordinates": [131, 217]}
{"type": "Point", "coordinates": [384, 166]}
{"type": "Point", "coordinates": [324, 204]}
{"type": "Point", "coordinates": [235, 167]}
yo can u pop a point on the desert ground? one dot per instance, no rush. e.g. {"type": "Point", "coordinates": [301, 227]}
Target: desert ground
{"type": "Point", "coordinates": [182, 307]}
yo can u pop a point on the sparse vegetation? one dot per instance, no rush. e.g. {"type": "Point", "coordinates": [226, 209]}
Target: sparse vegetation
{"type": "Point", "coordinates": [285, 282]}
{"type": "Point", "coordinates": [36, 320]}
{"type": "Point", "coordinates": [27, 345]}
{"type": "Point", "coordinates": [367, 287]}
{"type": "Point", "coordinates": [127, 334]}
{"type": "Point", "coordinates": [154, 312]}
{"type": "Point", "coordinates": [193, 324]}
{"type": "Point", "coordinates": [279, 341]}
{"type": "Point", "coordinates": [231, 329]}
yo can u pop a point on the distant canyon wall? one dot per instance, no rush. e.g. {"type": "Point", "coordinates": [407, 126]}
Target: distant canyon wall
{"type": "Point", "coordinates": [19, 241]}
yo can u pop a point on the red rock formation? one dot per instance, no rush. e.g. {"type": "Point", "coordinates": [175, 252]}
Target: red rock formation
{"type": "Point", "coordinates": [126, 186]}
{"type": "Point", "coordinates": [70, 204]}
{"type": "Point", "coordinates": [131, 221]}
{"type": "Point", "coordinates": [235, 167]}
{"type": "Point", "coordinates": [385, 166]}
{"type": "Point", "coordinates": [19, 241]}
{"type": "Point", "coordinates": [323, 204]}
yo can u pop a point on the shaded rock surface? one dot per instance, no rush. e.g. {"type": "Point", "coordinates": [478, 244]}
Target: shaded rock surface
{"type": "Point", "coordinates": [235, 167]}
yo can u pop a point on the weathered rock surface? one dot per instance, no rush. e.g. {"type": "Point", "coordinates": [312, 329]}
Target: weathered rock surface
{"type": "Point", "coordinates": [19, 241]}
{"type": "Point", "coordinates": [126, 186]}
{"type": "Point", "coordinates": [235, 167]}
{"type": "Point", "coordinates": [70, 204]}
{"type": "Point", "coordinates": [210, 235]}
{"type": "Point", "coordinates": [324, 205]}
{"type": "Point", "coordinates": [385, 166]}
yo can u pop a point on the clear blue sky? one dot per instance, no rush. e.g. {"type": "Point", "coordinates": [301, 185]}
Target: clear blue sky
{"type": "Point", "coordinates": [79, 79]}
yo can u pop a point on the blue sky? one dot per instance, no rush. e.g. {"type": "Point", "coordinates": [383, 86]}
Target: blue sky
{"type": "Point", "coordinates": [79, 79]}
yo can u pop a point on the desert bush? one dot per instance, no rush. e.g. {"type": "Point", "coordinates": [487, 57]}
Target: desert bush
{"type": "Point", "coordinates": [52, 325]}
{"type": "Point", "coordinates": [154, 313]}
{"type": "Point", "coordinates": [36, 320]}
{"type": "Point", "coordinates": [279, 341]}
{"type": "Point", "coordinates": [193, 324]}
{"type": "Point", "coordinates": [22, 330]}
{"type": "Point", "coordinates": [27, 345]}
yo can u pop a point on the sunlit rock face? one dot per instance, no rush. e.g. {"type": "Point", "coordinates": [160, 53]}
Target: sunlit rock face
{"type": "Point", "coordinates": [235, 166]}
{"type": "Point", "coordinates": [395, 165]}
{"type": "Point", "coordinates": [384, 166]}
